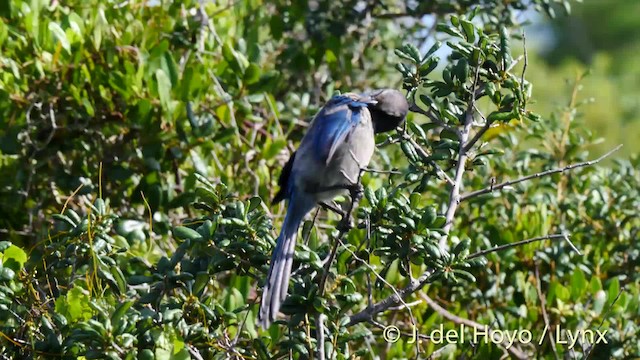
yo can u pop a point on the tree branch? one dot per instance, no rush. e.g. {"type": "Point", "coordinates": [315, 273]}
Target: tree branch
{"type": "Point", "coordinates": [537, 175]}
{"type": "Point", "coordinates": [545, 316]}
{"type": "Point", "coordinates": [433, 117]}
{"type": "Point", "coordinates": [320, 319]}
{"type": "Point", "coordinates": [392, 300]}
{"type": "Point", "coordinates": [395, 292]}
{"type": "Point", "coordinates": [522, 242]}
{"type": "Point", "coordinates": [454, 195]}
{"type": "Point", "coordinates": [478, 135]}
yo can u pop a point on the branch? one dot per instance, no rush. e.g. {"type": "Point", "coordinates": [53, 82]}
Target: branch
{"type": "Point", "coordinates": [514, 351]}
{"type": "Point", "coordinates": [545, 315]}
{"type": "Point", "coordinates": [454, 195]}
{"type": "Point", "coordinates": [434, 119]}
{"type": "Point", "coordinates": [537, 175]}
{"type": "Point", "coordinates": [606, 314]}
{"type": "Point", "coordinates": [320, 319]}
{"type": "Point", "coordinates": [479, 133]}
{"type": "Point", "coordinates": [395, 292]}
{"type": "Point", "coordinates": [344, 227]}
{"type": "Point", "coordinates": [392, 300]}
{"type": "Point", "coordinates": [522, 242]}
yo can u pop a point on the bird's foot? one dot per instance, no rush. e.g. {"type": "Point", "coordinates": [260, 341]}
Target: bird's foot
{"type": "Point", "coordinates": [332, 207]}
{"type": "Point", "coordinates": [345, 224]}
{"type": "Point", "coordinates": [356, 191]}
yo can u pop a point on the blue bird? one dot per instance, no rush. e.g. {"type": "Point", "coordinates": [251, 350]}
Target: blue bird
{"type": "Point", "coordinates": [339, 142]}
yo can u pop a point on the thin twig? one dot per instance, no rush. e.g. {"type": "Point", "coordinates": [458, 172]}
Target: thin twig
{"type": "Point", "coordinates": [458, 320]}
{"type": "Point", "coordinates": [395, 172]}
{"type": "Point", "coordinates": [244, 321]}
{"type": "Point", "coordinates": [522, 242]}
{"type": "Point", "coordinates": [433, 117]}
{"type": "Point", "coordinates": [423, 154]}
{"type": "Point", "coordinates": [606, 314]}
{"type": "Point", "coordinates": [545, 316]}
{"type": "Point", "coordinates": [404, 305]}
{"type": "Point", "coordinates": [524, 68]}
{"type": "Point", "coordinates": [392, 300]}
{"type": "Point", "coordinates": [537, 175]}
{"type": "Point", "coordinates": [478, 135]}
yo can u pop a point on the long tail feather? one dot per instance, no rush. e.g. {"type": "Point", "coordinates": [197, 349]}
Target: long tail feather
{"type": "Point", "coordinates": [277, 285]}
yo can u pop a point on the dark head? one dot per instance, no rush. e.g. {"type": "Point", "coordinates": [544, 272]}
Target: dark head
{"type": "Point", "coordinates": [389, 109]}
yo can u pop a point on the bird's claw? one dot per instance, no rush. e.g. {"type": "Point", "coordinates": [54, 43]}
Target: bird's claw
{"type": "Point", "coordinates": [356, 191]}
{"type": "Point", "coordinates": [345, 224]}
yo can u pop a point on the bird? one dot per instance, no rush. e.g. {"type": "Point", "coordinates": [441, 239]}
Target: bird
{"type": "Point", "coordinates": [337, 145]}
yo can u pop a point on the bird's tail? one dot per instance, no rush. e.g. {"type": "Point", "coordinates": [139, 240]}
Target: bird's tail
{"type": "Point", "coordinates": [277, 285]}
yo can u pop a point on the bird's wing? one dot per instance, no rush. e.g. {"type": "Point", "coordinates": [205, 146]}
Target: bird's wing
{"type": "Point", "coordinates": [333, 124]}
{"type": "Point", "coordinates": [283, 180]}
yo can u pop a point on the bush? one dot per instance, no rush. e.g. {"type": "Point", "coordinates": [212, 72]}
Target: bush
{"type": "Point", "coordinates": [140, 145]}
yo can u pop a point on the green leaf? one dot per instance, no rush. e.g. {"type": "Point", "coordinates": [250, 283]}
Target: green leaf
{"type": "Point", "coordinates": [403, 55]}
{"type": "Point", "coordinates": [465, 275]}
{"type": "Point", "coordinates": [500, 116]}
{"type": "Point", "coordinates": [117, 315]}
{"type": "Point", "coordinates": [15, 254]}
{"type": "Point", "coordinates": [252, 74]}
{"type": "Point", "coordinates": [254, 203]}
{"type": "Point", "coordinates": [427, 67]}
{"type": "Point", "coordinates": [614, 290]}
{"type": "Point", "coordinates": [7, 274]}
{"type": "Point", "coordinates": [60, 35]}
{"type": "Point", "coordinates": [164, 89]}
{"type": "Point", "coordinates": [88, 107]}
{"type": "Point", "coordinates": [272, 148]}
{"type": "Point", "coordinates": [461, 246]}
{"type": "Point", "coordinates": [449, 30]}
{"type": "Point", "coordinates": [599, 300]}
{"type": "Point", "coordinates": [433, 49]}
{"type": "Point", "coordinates": [75, 305]}
{"type": "Point", "coordinates": [578, 284]}
{"type": "Point", "coordinates": [185, 233]}
{"type": "Point", "coordinates": [469, 30]}
{"type": "Point", "coordinates": [170, 67]}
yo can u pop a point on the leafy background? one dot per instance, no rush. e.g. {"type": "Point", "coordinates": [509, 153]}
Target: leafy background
{"type": "Point", "coordinates": [141, 142]}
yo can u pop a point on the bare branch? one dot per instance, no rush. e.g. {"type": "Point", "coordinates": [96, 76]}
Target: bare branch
{"type": "Point", "coordinates": [606, 314]}
{"type": "Point", "coordinates": [434, 119]}
{"type": "Point", "coordinates": [545, 316]}
{"type": "Point", "coordinates": [392, 300]}
{"type": "Point", "coordinates": [395, 292]}
{"type": "Point", "coordinates": [524, 67]}
{"type": "Point", "coordinates": [522, 242]}
{"type": "Point", "coordinates": [454, 195]}
{"type": "Point", "coordinates": [537, 175]}
{"type": "Point", "coordinates": [478, 135]}
{"type": "Point", "coordinates": [320, 319]}
{"type": "Point", "coordinates": [514, 351]}
{"type": "Point", "coordinates": [375, 171]}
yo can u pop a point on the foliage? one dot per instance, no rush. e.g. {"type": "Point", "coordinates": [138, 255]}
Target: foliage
{"type": "Point", "coordinates": [140, 144]}
{"type": "Point", "coordinates": [609, 52]}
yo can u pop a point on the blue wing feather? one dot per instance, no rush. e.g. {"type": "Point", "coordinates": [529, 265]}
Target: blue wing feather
{"type": "Point", "coordinates": [333, 123]}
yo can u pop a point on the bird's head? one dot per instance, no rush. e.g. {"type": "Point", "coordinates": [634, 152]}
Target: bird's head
{"type": "Point", "coordinates": [388, 109]}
